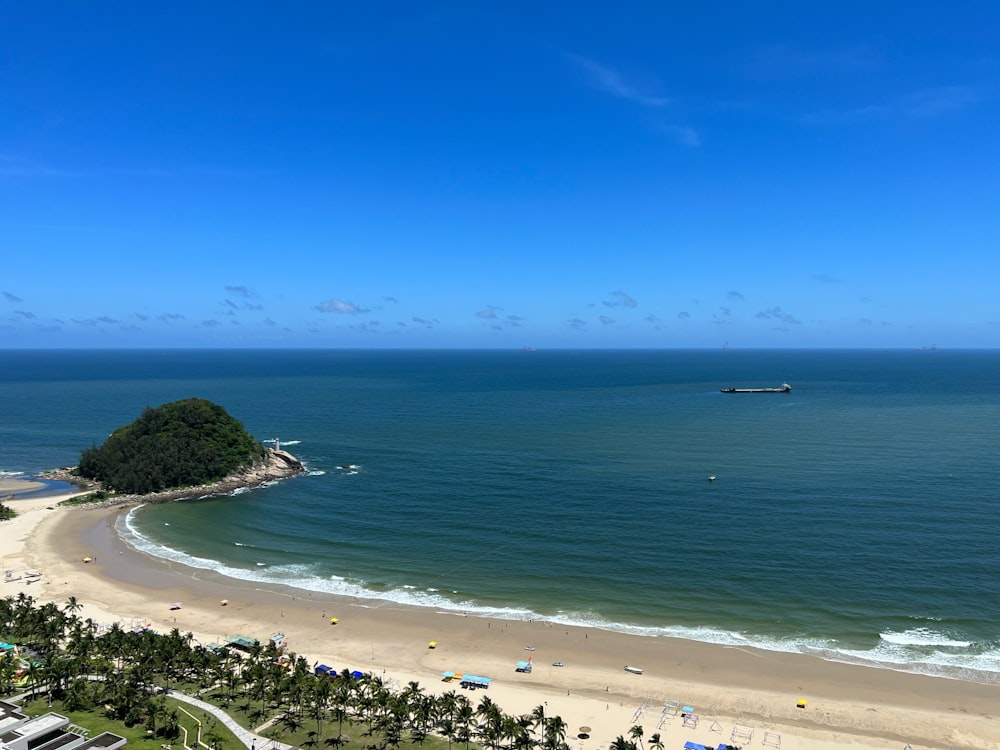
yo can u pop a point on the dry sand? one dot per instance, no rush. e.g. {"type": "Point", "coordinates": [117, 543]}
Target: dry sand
{"type": "Point", "coordinates": [729, 688]}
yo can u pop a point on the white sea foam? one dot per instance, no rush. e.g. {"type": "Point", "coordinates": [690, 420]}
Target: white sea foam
{"type": "Point", "coordinates": [923, 637]}
{"type": "Point", "coordinates": [919, 650]}
{"type": "Point", "coordinates": [315, 473]}
{"type": "Point", "coordinates": [980, 662]}
{"type": "Point", "coordinates": [6, 473]}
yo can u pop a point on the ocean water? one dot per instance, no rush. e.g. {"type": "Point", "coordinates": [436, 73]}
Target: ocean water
{"type": "Point", "coordinates": [855, 518]}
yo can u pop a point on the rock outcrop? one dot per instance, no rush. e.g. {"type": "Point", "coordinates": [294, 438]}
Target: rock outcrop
{"type": "Point", "coordinates": [278, 464]}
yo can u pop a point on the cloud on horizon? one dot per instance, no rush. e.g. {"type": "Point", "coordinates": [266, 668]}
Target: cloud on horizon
{"type": "Point", "coordinates": [489, 312]}
{"type": "Point", "coordinates": [341, 307]}
{"type": "Point", "coordinates": [624, 300]}
{"type": "Point", "coordinates": [776, 313]}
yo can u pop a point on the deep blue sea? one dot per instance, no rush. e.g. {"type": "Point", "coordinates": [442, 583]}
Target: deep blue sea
{"type": "Point", "coordinates": [855, 518]}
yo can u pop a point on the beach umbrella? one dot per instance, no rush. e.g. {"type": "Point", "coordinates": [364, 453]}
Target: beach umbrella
{"type": "Point", "coordinates": [87, 559]}
{"type": "Point", "coordinates": [585, 730]}
{"type": "Point", "coordinates": [224, 602]}
{"type": "Point", "coordinates": [432, 644]}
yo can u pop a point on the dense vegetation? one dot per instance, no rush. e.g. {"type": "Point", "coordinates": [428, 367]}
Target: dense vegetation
{"type": "Point", "coordinates": [181, 444]}
{"type": "Point", "coordinates": [78, 666]}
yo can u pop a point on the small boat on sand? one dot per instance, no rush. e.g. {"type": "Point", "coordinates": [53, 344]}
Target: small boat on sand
{"type": "Point", "coordinates": [633, 670]}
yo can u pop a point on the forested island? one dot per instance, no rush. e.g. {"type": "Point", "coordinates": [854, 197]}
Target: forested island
{"type": "Point", "coordinates": [177, 449]}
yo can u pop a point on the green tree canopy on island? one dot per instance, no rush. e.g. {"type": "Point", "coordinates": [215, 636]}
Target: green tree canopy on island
{"type": "Point", "coordinates": [180, 444]}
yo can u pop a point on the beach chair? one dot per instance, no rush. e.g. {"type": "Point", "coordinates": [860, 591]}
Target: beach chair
{"type": "Point", "coordinates": [741, 734]}
{"type": "Point", "coordinates": [771, 738]}
{"type": "Point", "coordinates": [691, 720]}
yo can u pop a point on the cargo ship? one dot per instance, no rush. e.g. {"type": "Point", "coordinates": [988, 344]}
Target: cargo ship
{"type": "Point", "coordinates": [784, 388]}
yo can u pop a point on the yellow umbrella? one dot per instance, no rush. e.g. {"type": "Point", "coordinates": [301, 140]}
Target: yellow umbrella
{"type": "Point", "coordinates": [432, 644]}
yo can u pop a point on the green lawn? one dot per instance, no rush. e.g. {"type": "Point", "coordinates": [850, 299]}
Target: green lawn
{"type": "Point", "coordinates": [96, 722]}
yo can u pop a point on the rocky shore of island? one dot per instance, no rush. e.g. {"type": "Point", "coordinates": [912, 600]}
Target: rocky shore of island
{"type": "Point", "coordinates": [278, 464]}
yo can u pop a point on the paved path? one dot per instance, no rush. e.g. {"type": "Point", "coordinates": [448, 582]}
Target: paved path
{"type": "Point", "coordinates": [248, 738]}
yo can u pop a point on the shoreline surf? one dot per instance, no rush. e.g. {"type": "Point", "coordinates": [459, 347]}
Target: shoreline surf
{"type": "Point", "coordinates": [746, 686]}
{"type": "Point", "coordinates": [891, 650]}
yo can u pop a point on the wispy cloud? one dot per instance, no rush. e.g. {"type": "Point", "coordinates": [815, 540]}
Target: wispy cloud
{"type": "Point", "coordinates": [12, 297]}
{"type": "Point", "coordinates": [684, 315]}
{"type": "Point", "coordinates": [622, 299]}
{"type": "Point", "coordinates": [610, 81]}
{"type": "Point", "coordinates": [776, 313]}
{"type": "Point", "coordinates": [247, 294]}
{"type": "Point", "coordinates": [734, 296]}
{"type": "Point", "coordinates": [340, 306]}
{"type": "Point", "coordinates": [26, 314]}
{"type": "Point", "coordinates": [577, 324]}
{"type": "Point", "coordinates": [489, 312]}
{"type": "Point", "coordinates": [918, 105]}
{"type": "Point", "coordinates": [605, 320]}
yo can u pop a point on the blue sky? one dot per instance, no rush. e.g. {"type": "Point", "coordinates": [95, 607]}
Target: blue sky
{"type": "Point", "coordinates": [500, 174]}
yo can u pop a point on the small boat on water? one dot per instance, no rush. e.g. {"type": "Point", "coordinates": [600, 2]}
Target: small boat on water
{"type": "Point", "coordinates": [784, 388]}
{"type": "Point", "coordinates": [633, 670]}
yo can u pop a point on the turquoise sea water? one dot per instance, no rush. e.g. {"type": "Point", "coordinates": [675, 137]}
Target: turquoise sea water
{"type": "Point", "coordinates": [855, 518]}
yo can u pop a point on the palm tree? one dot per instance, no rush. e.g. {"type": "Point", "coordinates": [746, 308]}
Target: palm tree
{"type": "Point", "coordinates": [655, 743]}
{"type": "Point", "coordinates": [555, 733]}
{"type": "Point", "coordinates": [72, 605]}
{"type": "Point", "coordinates": [636, 734]}
{"type": "Point", "coordinates": [489, 722]}
{"type": "Point", "coordinates": [620, 743]}
{"type": "Point", "coordinates": [538, 718]}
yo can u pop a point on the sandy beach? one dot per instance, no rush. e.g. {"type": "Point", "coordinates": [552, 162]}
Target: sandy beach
{"type": "Point", "coordinates": [744, 697]}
